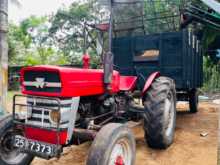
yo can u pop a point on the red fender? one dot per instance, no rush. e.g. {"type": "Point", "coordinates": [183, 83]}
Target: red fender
{"type": "Point", "coordinates": [127, 83]}
{"type": "Point", "coordinates": [149, 81]}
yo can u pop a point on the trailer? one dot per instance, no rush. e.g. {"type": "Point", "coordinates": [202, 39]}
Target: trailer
{"type": "Point", "coordinates": [174, 54]}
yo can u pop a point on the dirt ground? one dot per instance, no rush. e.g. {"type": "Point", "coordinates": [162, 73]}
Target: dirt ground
{"type": "Point", "coordinates": [189, 147]}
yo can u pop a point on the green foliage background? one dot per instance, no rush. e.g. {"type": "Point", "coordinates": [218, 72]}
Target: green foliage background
{"type": "Point", "coordinates": [211, 76]}
{"type": "Point", "coordinates": [211, 65]}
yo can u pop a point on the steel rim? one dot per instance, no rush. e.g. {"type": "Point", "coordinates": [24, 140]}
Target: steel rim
{"type": "Point", "coordinates": [8, 153]}
{"type": "Point", "coordinates": [121, 153]}
{"type": "Point", "coordinates": [169, 114]}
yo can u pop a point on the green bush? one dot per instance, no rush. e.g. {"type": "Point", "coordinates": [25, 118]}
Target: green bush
{"type": "Point", "coordinates": [211, 76]}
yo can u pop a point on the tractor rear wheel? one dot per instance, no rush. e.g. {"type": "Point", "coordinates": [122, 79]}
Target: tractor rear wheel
{"type": "Point", "coordinates": [160, 113]}
{"type": "Point", "coordinates": [114, 145]}
{"type": "Point", "coordinates": [9, 155]}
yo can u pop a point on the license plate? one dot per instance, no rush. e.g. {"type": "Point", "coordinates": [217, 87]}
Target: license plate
{"type": "Point", "coordinates": [33, 146]}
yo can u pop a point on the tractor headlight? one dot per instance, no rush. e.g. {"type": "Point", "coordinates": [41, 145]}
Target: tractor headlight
{"type": "Point", "coordinates": [55, 117]}
{"type": "Point", "coordinates": [59, 117]}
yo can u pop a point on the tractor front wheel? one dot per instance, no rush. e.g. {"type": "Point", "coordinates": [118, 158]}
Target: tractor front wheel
{"type": "Point", "coordinates": [113, 145]}
{"type": "Point", "coordinates": [160, 113]}
{"type": "Point", "coordinates": [10, 155]}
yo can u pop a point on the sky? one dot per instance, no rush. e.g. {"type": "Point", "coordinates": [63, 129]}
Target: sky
{"type": "Point", "coordinates": [35, 7]}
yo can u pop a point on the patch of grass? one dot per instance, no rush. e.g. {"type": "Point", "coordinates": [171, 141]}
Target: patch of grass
{"type": "Point", "coordinates": [10, 99]}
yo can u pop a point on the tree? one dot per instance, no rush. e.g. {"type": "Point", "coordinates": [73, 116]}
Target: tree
{"type": "Point", "coordinates": [29, 43]}
{"type": "Point", "coordinates": [3, 54]}
{"type": "Point", "coordinates": [67, 30]}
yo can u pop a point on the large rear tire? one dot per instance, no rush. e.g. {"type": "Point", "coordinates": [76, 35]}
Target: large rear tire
{"type": "Point", "coordinates": [113, 145]}
{"type": "Point", "coordinates": [8, 154]}
{"type": "Point", "coordinates": [160, 113]}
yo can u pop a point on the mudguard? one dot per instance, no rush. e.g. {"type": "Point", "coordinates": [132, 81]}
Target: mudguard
{"type": "Point", "coordinates": [127, 83]}
{"type": "Point", "coordinates": [149, 81]}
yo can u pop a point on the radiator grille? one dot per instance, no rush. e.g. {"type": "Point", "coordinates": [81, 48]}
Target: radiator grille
{"type": "Point", "coordinates": [41, 108]}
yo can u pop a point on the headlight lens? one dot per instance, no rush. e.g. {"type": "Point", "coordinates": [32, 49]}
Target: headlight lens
{"type": "Point", "coordinates": [55, 116]}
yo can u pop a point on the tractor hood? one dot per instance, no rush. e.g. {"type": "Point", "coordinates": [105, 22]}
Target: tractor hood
{"type": "Point", "coordinates": [65, 82]}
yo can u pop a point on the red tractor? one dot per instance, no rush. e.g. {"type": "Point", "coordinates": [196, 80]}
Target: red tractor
{"type": "Point", "coordinates": [61, 106]}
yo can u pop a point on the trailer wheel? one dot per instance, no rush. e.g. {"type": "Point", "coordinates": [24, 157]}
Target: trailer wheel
{"type": "Point", "coordinates": [193, 101]}
{"type": "Point", "coordinates": [8, 154]}
{"type": "Point", "coordinates": [114, 145]}
{"type": "Point", "coordinates": [160, 113]}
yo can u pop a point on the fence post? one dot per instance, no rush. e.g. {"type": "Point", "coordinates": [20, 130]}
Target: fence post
{"type": "Point", "coordinates": [3, 55]}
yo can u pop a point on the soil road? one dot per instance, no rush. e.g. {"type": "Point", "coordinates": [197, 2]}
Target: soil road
{"type": "Point", "coordinates": [189, 147]}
